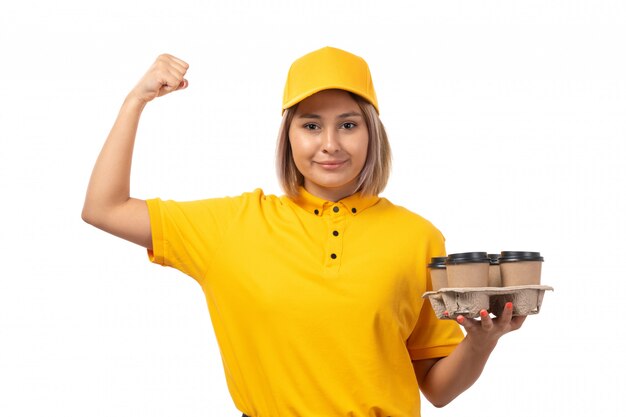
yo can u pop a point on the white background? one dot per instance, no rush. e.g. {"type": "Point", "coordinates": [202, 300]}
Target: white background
{"type": "Point", "coordinates": [507, 123]}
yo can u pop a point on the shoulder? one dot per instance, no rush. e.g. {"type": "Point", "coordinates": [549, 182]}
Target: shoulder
{"type": "Point", "coordinates": [246, 200]}
{"type": "Point", "coordinates": [258, 198]}
{"type": "Point", "coordinates": [249, 196]}
{"type": "Point", "coordinates": [402, 217]}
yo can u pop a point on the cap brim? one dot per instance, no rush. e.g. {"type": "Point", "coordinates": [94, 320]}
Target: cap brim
{"type": "Point", "coordinates": [309, 93]}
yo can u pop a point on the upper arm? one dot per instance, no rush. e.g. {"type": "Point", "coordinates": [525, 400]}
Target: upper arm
{"type": "Point", "coordinates": [130, 221]}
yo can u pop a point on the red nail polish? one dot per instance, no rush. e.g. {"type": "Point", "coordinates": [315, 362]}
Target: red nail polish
{"type": "Point", "coordinates": [483, 313]}
{"type": "Point", "coordinates": [460, 319]}
{"type": "Point", "coordinates": [446, 314]}
{"type": "Point", "coordinates": [509, 305]}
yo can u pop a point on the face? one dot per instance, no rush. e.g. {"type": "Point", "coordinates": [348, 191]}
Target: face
{"type": "Point", "coordinates": [329, 140]}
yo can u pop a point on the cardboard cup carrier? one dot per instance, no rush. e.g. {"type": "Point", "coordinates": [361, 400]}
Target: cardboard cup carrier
{"type": "Point", "coordinates": [466, 283]}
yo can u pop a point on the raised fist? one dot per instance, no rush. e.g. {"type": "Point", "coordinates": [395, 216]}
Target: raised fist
{"type": "Point", "coordinates": [167, 74]}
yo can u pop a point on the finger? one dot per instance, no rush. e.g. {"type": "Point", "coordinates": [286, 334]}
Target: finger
{"type": "Point", "coordinates": [485, 320]}
{"type": "Point", "coordinates": [173, 72]}
{"type": "Point", "coordinates": [165, 64]}
{"type": "Point", "coordinates": [171, 82]}
{"type": "Point", "coordinates": [505, 317]}
{"type": "Point", "coordinates": [180, 62]}
{"type": "Point", "coordinates": [467, 323]}
{"type": "Point", "coordinates": [172, 58]}
{"type": "Point", "coordinates": [183, 84]}
{"type": "Point", "coordinates": [179, 67]}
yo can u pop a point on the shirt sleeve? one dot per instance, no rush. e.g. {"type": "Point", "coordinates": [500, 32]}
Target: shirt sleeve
{"type": "Point", "coordinates": [186, 235]}
{"type": "Point", "coordinates": [432, 337]}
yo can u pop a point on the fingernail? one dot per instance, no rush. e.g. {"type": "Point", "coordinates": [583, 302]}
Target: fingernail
{"type": "Point", "coordinates": [445, 313]}
{"type": "Point", "coordinates": [460, 319]}
{"type": "Point", "coordinates": [483, 313]}
{"type": "Point", "coordinates": [509, 305]}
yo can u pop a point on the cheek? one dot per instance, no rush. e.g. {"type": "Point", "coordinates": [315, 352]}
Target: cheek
{"type": "Point", "coordinates": [361, 151]}
{"type": "Point", "coordinates": [293, 143]}
{"type": "Point", "coordinates": [298, 154]}
{"type": "Point", "coordinates": [295, 147]}
{"type": "Point", "coordinates": [301, 147]}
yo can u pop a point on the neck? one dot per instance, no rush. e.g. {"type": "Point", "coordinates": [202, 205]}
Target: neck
{"type": "Point", "coordinates": [329, 194]}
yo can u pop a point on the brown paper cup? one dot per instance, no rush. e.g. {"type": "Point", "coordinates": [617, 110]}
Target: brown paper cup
{"type": "Point", "coordinates": [521, 273]}
{"type": "Point", "coordinates": [472, 274]}
{"type": "Point", "coordinates": [468, 269]}
{"type": "Point", "coordinates": [438, 275]}
{"type": "Point", "coordinates": [495, 278]}
{"type": "Point", "coordinates": [438, 278]}
{"type": "Point", "coordinates": [520, 268]}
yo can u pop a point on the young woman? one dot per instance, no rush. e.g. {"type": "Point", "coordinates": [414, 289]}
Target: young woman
{"type": "Point", "coordinates": [315, 295]}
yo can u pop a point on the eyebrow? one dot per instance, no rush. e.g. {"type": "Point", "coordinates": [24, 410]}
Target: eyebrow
{"type": "Point", "coordinates": [341, 116]}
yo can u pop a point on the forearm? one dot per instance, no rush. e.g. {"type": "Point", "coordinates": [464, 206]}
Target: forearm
{"type": "Point", "coordinates": [448, 377]}
{"type": "Point", "coordinates": [452, 375]}
{"type": "Point", "coordinates": [109, 185]}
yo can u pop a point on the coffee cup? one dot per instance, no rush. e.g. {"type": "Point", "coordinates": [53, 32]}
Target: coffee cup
{"type": "Point", "coordinates": [495, 278]}
{"type": "Point", "coordinates": [468, 269]}
{"type": "Point", "coordinates": [520, 268]}
{"type": "Point", "coordinates": [438, 274]}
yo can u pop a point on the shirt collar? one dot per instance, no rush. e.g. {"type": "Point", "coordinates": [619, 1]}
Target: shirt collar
{"type": "Point", "coordinates": [353, 204]}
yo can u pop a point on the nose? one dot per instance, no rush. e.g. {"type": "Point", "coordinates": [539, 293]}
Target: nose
{"type": "Point", "coordinates": [330, 141]}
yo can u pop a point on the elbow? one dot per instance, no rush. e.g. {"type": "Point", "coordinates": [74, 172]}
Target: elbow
{"type": "Point", "coordinates": [86, 215]}
{"type": "Point", "coordinates": [439, 401]}
{"type": "Point", "coordinates": [89, 215]}
{"type": "Point", "coordinates": [439, 404]}
{"type": "Point", "coordinates": [96, 212]}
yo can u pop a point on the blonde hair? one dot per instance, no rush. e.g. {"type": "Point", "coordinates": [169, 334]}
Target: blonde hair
{"type": "Point", "coordinates": [375, 173]}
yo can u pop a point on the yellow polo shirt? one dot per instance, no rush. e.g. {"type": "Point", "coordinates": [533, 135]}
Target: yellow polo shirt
{"type": "Point", "coordinates": [316, 305]}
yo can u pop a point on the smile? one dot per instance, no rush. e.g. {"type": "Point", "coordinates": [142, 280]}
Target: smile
{"type": "Point", "coordinates": [331, 164]}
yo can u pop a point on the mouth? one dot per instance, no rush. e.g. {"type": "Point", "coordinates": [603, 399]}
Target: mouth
{"type": "Point", "coordinates": [331, 165]}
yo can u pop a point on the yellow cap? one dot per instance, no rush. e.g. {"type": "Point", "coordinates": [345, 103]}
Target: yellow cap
{"type": "Point", "coordinates": [325, 69]}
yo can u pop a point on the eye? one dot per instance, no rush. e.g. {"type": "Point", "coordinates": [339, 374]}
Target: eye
{"type": "Point", "coordinates": [310, 126]}
{"type": "Point", "coordinates": [348, 125]}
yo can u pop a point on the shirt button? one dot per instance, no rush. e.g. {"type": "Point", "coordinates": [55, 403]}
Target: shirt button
{"type": "Point", "coordinates": [335, 233]}
{"type": "Point", "coordinates": [336, 209]}
{"type": "Point", "coordinates": [316, 212]}
{"type": "Point", "coordinates": [353, 210]}
{"type": "Point", "coordinates": [333, 256]}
